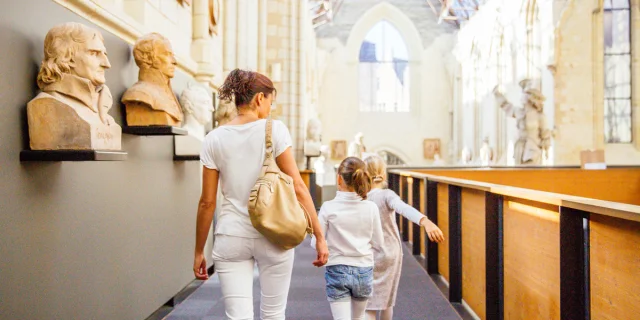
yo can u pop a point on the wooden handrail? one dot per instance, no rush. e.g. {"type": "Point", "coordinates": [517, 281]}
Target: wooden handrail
{"type": "Point", "coordinates": [607, 208]}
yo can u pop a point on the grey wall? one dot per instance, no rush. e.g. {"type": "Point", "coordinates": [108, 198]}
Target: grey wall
{"type": "Point", "coordinates": [86, 240]}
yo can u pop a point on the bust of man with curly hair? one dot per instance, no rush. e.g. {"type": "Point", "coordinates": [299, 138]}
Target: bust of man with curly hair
{"type": "Point", "coordinates": [70, 113]}
{"type": "Point", "coordinates": [151, 100]}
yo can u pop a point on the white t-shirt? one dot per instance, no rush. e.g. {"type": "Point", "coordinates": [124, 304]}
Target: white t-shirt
{"type": "Point", "coordinates": [352, 228]}
{"type": "Point", "coordinates": [237, 152]}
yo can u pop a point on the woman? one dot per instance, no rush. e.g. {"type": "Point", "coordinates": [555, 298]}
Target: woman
{"type": "Point", "coordinates": [232, 155]}
{"type": "Point", "coordinates": [388, 260]}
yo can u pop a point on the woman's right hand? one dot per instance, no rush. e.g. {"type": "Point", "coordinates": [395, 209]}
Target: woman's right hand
{"type": "Point", "coordinates": [323, 253]}
{"type": "Point", "coordinates": [200, 267]}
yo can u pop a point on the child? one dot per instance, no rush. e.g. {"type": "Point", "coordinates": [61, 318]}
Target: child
{"type": "Point", "coordinates": [388, 260]}
{"type": "Point", "coordinates": [351, 226]}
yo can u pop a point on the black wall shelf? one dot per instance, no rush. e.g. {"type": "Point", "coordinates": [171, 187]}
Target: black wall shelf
{"type": "Point", "coordinates": [154, 131]}
{"type": "Point", "coordinates": [72, 155]}
{"type": "Point", "coordinates": [186, 158]}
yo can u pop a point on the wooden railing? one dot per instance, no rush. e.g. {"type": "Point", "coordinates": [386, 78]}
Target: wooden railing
{"type": "Point", "coordinates": [516, 253]}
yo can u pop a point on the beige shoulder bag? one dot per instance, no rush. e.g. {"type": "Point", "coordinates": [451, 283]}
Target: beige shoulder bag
{"type": "Point", "coordinates": [273, 207]}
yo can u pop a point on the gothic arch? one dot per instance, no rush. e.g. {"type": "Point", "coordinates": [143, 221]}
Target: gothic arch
{"type": "Point", "coordinates": [390, 13]}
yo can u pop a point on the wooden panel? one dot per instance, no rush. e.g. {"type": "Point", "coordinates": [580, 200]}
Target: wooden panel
{"type": "Point", "coordinates": [410, 202]}
{"type": "Point", "coordinates": [306, 177]}
{"type": "Point", "coordinates": [618, 185]}
{"type": "Point", "coordinates": [531, 260]}
{"type": "Point", "coordinates": [443, 223]}
{"type": "Point", "coordinates": [615, 268]}
{"type": "Point", "coordinates": [473, 250]}
{"type": "Point", "coordinates": [423, 209]}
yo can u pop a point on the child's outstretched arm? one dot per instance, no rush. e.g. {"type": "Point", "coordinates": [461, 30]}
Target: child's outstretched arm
{"type": "Point", "coordinates": [433, 232]}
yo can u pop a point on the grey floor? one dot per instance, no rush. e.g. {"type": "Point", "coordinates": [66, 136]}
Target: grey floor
{"type": "Point", "coordinates": [418, 296]}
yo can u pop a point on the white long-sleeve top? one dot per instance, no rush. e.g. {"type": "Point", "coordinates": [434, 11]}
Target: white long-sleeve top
{"type": "Point", "coordinates": [352, 229]}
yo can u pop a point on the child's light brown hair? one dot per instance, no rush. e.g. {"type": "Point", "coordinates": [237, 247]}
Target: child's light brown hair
{"type": "Point", "coordinates": [354, 174]}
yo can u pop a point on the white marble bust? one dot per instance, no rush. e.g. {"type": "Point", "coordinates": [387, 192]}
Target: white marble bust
{"type": "Point", "coordinates": [197, 105]}
{"type": "Point", "coordinates": [312, 143]}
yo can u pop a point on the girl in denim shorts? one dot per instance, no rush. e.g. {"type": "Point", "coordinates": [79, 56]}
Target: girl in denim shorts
{"type": "Point", "coordinates": [352, 229]}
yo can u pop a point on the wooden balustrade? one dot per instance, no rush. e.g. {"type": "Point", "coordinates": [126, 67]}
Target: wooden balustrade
{"type": "Point", "coordinates": [519, 253]}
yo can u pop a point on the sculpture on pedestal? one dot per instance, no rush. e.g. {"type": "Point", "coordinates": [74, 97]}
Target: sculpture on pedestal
{"type": "Point", "coordinates": [71, 111]}
{"type": "Point", "coordinates": [325, 171]}
{"type": "Point", "coordinates": [486, 153]}
{"type": "Point", "coordinates": [225, 112]}
{"type": "Point", "coordinates": [357, 147]}
{"type": "Point", "coordinates": [197, 105]}
{"type": "Point", "coordinates": [312, 141]}
{"type": "Point", "coordinates": [151, 101]}
{"type": "Point", "coordinates": [466, 157]}
{"type": "Point", "coordinates": [534, 137]}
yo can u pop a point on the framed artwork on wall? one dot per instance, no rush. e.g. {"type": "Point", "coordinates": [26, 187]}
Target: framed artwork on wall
{"type": "Point", "coordinates": [431, 147]}
{"type": "Point", "coordinates": [338, 149]}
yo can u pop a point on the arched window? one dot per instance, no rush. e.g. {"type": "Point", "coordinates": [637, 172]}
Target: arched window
{"type": "Point", "coordinates": [390, 158]}
{"type": "Point", "coordinates": [617, 71]}
{"type": "Point", "coordinates": [384, 71]}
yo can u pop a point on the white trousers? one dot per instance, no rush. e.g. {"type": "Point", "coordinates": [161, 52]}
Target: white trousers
{"type": "Point", "coordinates": [234, 258]}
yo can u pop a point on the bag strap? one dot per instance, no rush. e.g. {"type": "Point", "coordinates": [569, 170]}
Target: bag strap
{"type": "Point", "coordinates": [267, 138]}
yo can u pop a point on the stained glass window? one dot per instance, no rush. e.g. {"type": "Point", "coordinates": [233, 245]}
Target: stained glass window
{"type": "Point", "coordinates": [617, 71]}
{"type": "Point", "coordinates": [384, 71]}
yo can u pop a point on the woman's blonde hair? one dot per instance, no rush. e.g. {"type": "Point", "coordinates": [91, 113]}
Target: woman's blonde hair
{"type": "Point", "coordinates": [376, 168]}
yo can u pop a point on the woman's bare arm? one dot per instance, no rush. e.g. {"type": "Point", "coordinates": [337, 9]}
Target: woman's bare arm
{"type": "Point", "coordinates": [206, 207]}
{"type": "Point", "coordinates": [288, 165]}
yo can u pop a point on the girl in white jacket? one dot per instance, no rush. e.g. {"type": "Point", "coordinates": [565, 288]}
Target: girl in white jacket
{"type": "Point", "coordinates": [352, 228]}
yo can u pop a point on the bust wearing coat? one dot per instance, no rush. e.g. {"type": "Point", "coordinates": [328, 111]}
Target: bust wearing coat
{"type": "Point", "coordinates": [151, 101]}
{"type": "Point", "coordinates": [71, 111]}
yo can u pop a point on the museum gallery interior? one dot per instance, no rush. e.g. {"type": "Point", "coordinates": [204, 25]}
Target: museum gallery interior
{"type": "Point", "coordinates": [513, 125]}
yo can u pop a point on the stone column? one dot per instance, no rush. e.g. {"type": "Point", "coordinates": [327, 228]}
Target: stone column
{"type": "Point", "coordinates": [230, 36]}
{"type": "Point", "coordinates": [202, 45]}
{"type": "Point", "coordinates": [262, 36]}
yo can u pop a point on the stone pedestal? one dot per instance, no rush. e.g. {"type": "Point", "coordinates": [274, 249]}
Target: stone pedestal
{"type": "Point", "coordinates": [55, 125]}
{"type": "Point", "coordinates": [187, 145]}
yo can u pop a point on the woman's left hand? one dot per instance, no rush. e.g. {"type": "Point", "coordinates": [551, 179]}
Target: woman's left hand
{"type": "Point", "coordinates": [323, 253]}
{"type": "Point", "coordinates": [433, 232]}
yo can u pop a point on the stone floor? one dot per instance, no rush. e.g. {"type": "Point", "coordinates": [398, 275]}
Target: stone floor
{"type": "Point", "coordinates": [418, 296]}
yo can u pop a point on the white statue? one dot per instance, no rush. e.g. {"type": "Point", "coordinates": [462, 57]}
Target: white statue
{"type": "Point", "coordinates": [486, 153]}
{"type": "Point", "coordinates": [357, 148]}
{"type": "Point", "coordinates": [312, 141]}
{"type": "Point", "coordinates": [437, 161]}
{"type": "Point", "coordinates": [466, 156]}
{"type": "Point", "coordinates": [325, 171]}
{"type": "Point", "coordinates": [534, 137]}
{"type": "Point", "coordinates": [197, 105]}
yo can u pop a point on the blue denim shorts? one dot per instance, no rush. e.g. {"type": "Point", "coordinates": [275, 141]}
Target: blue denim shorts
{"type": "Point", "coordinates": [348, 282]}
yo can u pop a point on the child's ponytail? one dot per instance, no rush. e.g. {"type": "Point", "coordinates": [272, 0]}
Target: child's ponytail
{"type": "Point", "coordinates": [361, 182]}
{"type": "Point", "coordinates": [354, 173]}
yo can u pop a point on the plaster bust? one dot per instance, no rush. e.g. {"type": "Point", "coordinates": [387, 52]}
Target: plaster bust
{"type": "Point", "coordinates": [357, 148]}
{"type": "Point", "coordinates": [71, 111]}
{"type": "Point", "coordinates": [225, 112]}
{"type": "Point", "coordinates": [312, 142]}
{"type": "Point", "coordinates": [151, 100]}
{"type": "Point", "coordinates": [197, 105]}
